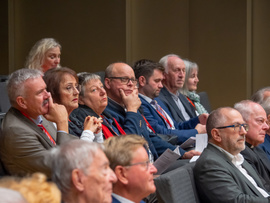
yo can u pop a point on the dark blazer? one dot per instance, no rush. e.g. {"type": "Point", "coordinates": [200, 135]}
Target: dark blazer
{"type": "Point", "coordinates": [183, 130]}
{"type": "Point", "coordinates": [218, 180]}
{"type": "Point", "coordinates": [134, 123]}
{"type": "Point", "coordinates": [177, 115]}
{"type": "Point", "coordinates": [257, 158]}
{"type": "Point", "coordinates": [266, 145]}
{"type": "Point", "coordinates": [114, 200]}
{"type": "Point", "coordinates": [24, 146]}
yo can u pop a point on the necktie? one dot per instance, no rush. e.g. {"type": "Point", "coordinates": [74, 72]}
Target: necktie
{"type": "Point", "coordinates": [47, 133]}
{"type": "Point", "coordinates": [162, 113]}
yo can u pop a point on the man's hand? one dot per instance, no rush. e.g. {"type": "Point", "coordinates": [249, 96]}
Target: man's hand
{"type": "Point", "coordinates": [203, 118]}
{"type": "Point", "coordinates": [200, 128]}
{"type": "Point", "coordinates": [190, 154]}
{"type": "Point", "coordinates": [92, 123]}
{"type": "Point", "coordinates": [57, 113]}
{"type": "Point", "coordinates": [132, 101]}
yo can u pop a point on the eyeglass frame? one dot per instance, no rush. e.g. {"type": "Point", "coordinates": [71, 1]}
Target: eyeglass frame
{"type": "Point", "coordinates": [244, 125]}
{"type": "Point", "coordinates": [125, 78]}
{"type": "Point", "coordinates": [145, 163]}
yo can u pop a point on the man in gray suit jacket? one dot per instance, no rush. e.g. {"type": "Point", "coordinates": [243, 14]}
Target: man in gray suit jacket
{"type": "Point", "coordinates": [221, 173]}
{"type": "Point", "coordinates": [27, 129]}
{"type": "Point", "coordinates": [174, 77]}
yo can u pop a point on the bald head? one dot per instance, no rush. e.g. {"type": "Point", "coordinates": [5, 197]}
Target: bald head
{"type": "Point", "coordinates": [119, 76]}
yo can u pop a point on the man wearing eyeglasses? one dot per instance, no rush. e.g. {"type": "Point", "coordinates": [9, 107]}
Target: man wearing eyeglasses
{"type": "Point", "coordinates": [221, 173]}
{"type": "Point", "coordinates": [255, 116]}
{"type": "Point", "coordinates": [129, 160]}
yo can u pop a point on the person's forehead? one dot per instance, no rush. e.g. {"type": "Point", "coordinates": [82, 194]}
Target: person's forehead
{"type": "Point", "coordinates": [176, 62]}
{"type": "Point", "coordinates": [122, 69]}
{"type": "Point", "coordinates": [232, 116]}
{"type": "Point", "coordinates": [139, 154]}
{"type": "Point", "coordinates": [99, 161]}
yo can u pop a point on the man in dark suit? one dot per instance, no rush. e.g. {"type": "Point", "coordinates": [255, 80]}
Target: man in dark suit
{"type": "Point", "coordinates": [174, 77]}
{"type": "Point", "coordinates": [150, 76]}
{"type": "Point", "coordinates": [221, 173]}
{"type": "Point", "coordinates": [129, 160]}
{"type": "Point", "coordinates": [27, 129]}
{"type": "Point", "coordinates": [123, 104]}
{"type": "Point", "coordinates": [255, 116]}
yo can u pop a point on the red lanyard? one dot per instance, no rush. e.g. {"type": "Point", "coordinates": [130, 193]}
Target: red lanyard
{"type": "Point", "coordinates": [42, 128]}
{"type": "Point", "coordinates": [148, 124]}
{"type": "Point", "coordinates": [164, 118]}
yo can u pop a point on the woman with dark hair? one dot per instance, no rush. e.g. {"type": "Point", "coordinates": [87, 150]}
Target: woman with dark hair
{"type": "Point", "coordinates": [93, 101]}
{"type": "Point", "coordinates": [62, 83]}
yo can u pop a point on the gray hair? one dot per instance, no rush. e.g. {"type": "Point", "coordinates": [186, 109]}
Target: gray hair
{"type": "Point", "coordinates": [164, 61]}
{"type": "Point", "coordinates": [75, 154]}
{"type": "Point", "coordinates": [11, 196]}
{"type": "Point", "coordinates": [15, 83]}
{"type": "Point", "coordinates": [36, 55]}
{"type": "Point", "coordinates": [244, 108]}
{"type": "Point", "coordinates": [266, 105]}
{"type": "Point", "coordinates": [190, 66]}
{"type": "Point", "coordinates": [259, 95]}
{"type": "Point", "coordinates": [84, 78]}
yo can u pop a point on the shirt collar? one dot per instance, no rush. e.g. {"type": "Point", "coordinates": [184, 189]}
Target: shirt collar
{"type": "Point", "coordinates": [148, 99]}
{"type": "Point", "coordinates": [38, 120]}
{"type": "Point", "coordinates": [236, 160]}
{"type": "Point", "coordinates": [121, 199]}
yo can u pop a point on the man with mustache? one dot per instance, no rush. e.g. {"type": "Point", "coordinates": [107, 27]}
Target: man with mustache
{"type": "Point", "coordinates": [255, 116]}
{"type": "Point", "coordinates": [221, 173]}
{"type": "Point", "coordinates": [27, 129]}
{"type": "Point", "coordinates": [129, 160]}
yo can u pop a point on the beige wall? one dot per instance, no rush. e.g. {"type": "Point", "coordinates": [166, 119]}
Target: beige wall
{"type": "Point", "coordinates": [228, 39]}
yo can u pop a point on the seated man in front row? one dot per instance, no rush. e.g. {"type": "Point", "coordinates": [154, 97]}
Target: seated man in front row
{"type": "Point", "coordinates": [129, 160]}
{"type": "Point", "coordinates": [221, 173]}
{"type": "Point", "coordinates": [28, 133]}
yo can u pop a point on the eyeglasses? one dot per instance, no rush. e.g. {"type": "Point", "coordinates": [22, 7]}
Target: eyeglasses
{"type": "Point", "coordinates": [235, 126]}
{"type": "Point", "coordinates": [125, 80]}
{"type": "Point", "coordinates": [143, 163]}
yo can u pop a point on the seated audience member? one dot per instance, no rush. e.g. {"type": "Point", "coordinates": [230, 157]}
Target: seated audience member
{"type": "Point", "coordinates": [27, 129]}
{"type": "Point", "coordinates": [221, 173]}
{"type": "Point", "coordinates": [44, 55]}
{"type": "Point", "coordinates": [150, 76]}
{"type": "Point", "coordinates": [62, 83]}
{"type": "Point", "coordinates": [82, 172]}
{"type": "Point", "coordinates": [123, 105]}
{"type": "Point", "coordinates": [11, 196]}
{"type": "Point", "coordinates": [261, 95]}
{"type": "Point", "coordinates": [266, 144]}
{"type": "Point", "coordinates": [174, 77]}
{"type": "Point", "coordinates": [190, 86]}
{"type": "Point", "coordinates": [254, 115]}
{"type": "Point", "coordinates": [129, 160]}
{"type": "Point", "coordinates": [93, 101]}
{"type": "Point", "coordinates": [35, 189]}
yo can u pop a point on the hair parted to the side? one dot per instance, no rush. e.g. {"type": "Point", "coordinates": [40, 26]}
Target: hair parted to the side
{"type": "Point", "coordinates": [15, 83]}
{"type": "Point", "coordinates": [120, 150]}
{"type": "Point", "coordinates": [37, 53]}
{"type": "Point", "coordinates": [84, 78]}
{"type": "Point", "coordinates": [164, 61]}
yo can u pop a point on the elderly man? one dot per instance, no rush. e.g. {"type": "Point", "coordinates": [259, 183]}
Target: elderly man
{"type": "Point", "coordinates": [221, 173]}
{"type": "Point", "coordinates": [177, 103]}
{"type": "Point", "coordinates": [27, 133]}
{"type": "Point", "coordinates": [129, 160]}
{"type": "Point", "coordinates": [254, 115]}
{"type": "Point", "coordinates": [123, 105]}
{"type": "Point", "coordinates": [81, 171]}
{"type": "Point", "coordinates": [150, 76]}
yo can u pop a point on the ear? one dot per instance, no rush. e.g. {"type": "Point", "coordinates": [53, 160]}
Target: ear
{"type": "Point", "coordinates": [21, 102]}
{"type": "Point", "coordinates": [81, 100]}
{"type": "Point", "coordinates": [215, 135]}
{"type": "Point", "coordinates": [107, 83]}
{"type": "Point", "coordinates": [121, 174]}
{"type": "Point", "coordinates": [142, 81]}
{"type": "Point", "coordinates": [77, 179]}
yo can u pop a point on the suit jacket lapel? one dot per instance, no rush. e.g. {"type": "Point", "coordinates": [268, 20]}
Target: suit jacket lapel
{"type": "Point", "coordinates": [172, 103]}
{"type": "Point", "coordinates": [187, 106]}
